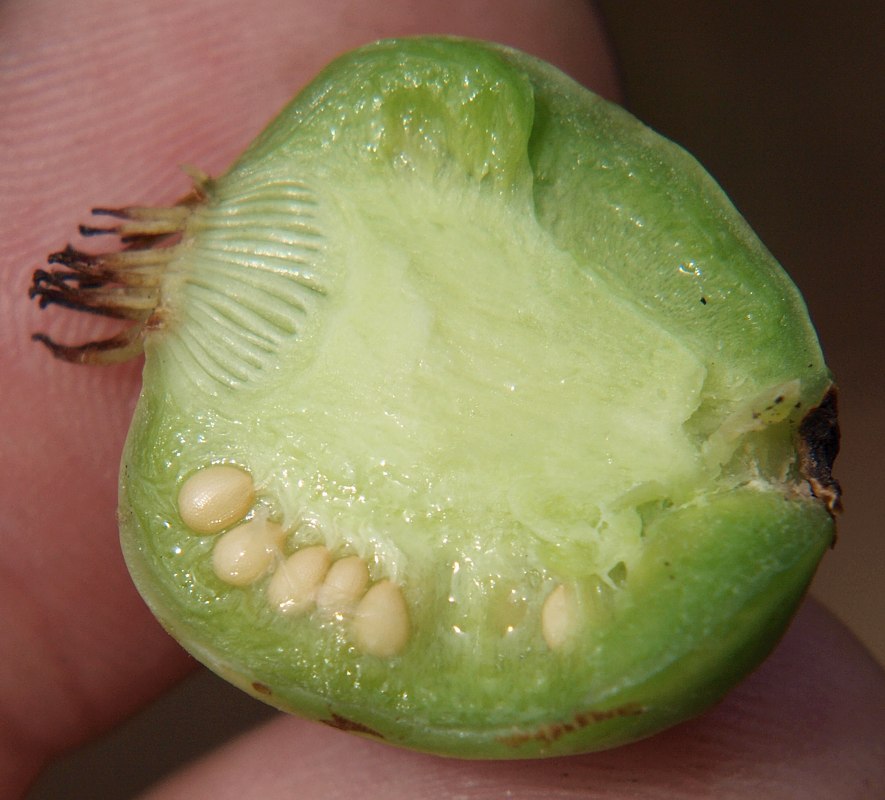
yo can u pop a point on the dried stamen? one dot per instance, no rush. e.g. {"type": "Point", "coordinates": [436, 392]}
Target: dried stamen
{"type": "Point", "coordinates": [121, 285]}
{"type": "Point", "coordinates": [114, 350]}
{"type": "Point", "coordinates": [92, 295]}
{"type": "Point", "coordinates": [128, 267]}
{"type": "Point", "coordinates": [139, 221]}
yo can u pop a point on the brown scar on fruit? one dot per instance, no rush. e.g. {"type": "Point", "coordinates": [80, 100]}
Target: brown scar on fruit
{"type": "Point", "coordinates": [121, 284]}
{"type": "Point", "coordinates": [345, 724]}
{"type": "Point", "coordinates": [261, 688]}
{"type": "Point", "coordinates": [550, 733]}
{"type": "Point", "coordinates": [818, 448]}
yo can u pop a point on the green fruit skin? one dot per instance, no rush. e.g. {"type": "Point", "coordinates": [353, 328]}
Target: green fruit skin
{"type": "Point", "coordinates": [720, 574]}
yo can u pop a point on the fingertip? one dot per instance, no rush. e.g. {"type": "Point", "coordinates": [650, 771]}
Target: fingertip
{"type": "Point", "coordinates": [807, 725]}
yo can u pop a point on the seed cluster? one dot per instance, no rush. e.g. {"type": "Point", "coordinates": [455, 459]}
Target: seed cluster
{"type": "Point", "coordinates": [217, 500]}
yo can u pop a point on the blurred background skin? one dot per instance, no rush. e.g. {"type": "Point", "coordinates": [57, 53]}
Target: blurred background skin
{"type": "Point", "coordinates": [781, 102]}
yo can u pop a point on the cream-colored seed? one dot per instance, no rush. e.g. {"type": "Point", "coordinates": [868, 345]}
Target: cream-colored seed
{"type": "Point", "coordinates": [344, 585]}
{"type": "Point", "coordinates": [381, 620]}
{"type": "Point", "coordinates": [559, 617]}
{"type": "Point", "coordinates": [245, 553]}
{"type": "Point", "coordinates": [215, 498]}
{"type": "Point", "coordinates": [293, 588]}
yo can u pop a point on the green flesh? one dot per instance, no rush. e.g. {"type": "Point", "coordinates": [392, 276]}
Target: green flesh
{"type": "Point", "coordinates": [464, 319]}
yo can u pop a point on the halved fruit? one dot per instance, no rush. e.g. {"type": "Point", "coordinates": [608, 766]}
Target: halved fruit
{"type": "Point", "coordinates": [474, 417]}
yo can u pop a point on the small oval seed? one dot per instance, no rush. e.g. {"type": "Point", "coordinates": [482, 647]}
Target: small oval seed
{"type": "Point", "coordinates": [242, 555]}
{"type": "Point", "coordinates": [559, 617]}
{"type": "Point", "coordinates": [344, 585]}
{"type": "Point", "coordinates": [215, 497]}
{"type": "Point", "coordinates": [293, 588]}
{"type": "Point", "coordinates": [381, 620]}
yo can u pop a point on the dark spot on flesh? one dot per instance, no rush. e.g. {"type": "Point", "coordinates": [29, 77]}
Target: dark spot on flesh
{"type": "Point", "coordinates": [818, 447]}
{"type": "Point", "coordinates": [261, 688]}
{"type": "Point", "coordinates": [556, 730]}
{"type": "Point", "coordinates": [703, 301]}
{"type": "Point", "coordinates": [771, 406]}
{"type": "Point", "coordinates": [344, 724]}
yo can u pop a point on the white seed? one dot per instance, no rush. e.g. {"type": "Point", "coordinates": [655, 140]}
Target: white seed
{"type": "Point", "coordinates": [344, 585]}
{"type": "Point", "coordinates": [559, 617]}
{"type": "Point", "coordinates": [293, 588]}
{"type": "Point", "coordinates": [381, 620]}
{"type": "Point", "coordinates": [243, 555]}
{"type": "Point", "coordinates": [215, 498]}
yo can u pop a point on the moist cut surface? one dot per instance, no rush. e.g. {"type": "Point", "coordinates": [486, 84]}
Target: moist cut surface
{"type": "Point", "coordinates": [471, 416]}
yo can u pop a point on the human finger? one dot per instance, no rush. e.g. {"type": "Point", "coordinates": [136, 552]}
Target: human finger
{"type": "Point", "coordinates": [807, 724]}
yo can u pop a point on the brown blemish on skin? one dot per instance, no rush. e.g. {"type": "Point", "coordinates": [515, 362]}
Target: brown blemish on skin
{"type": "Point", "coordinates": [818, 447]}
{"type": "Point", "coordinates": [550, 733]}
{"type": "Point", "coordinates": [157, 320]}
{"type": "Point", "coordinates": [344, 724]}
{"type": "Point", "coordinates": [261, 688]}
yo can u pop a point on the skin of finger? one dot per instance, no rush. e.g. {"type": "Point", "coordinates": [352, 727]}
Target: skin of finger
{"type": "Point", "coordinates": [101, 102]}
{"type": "Point", "coordinates": [807, 725]}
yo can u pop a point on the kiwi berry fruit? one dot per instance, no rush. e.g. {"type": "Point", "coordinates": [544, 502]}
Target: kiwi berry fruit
{"type": "Point", "coordinates": [474, 418]}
